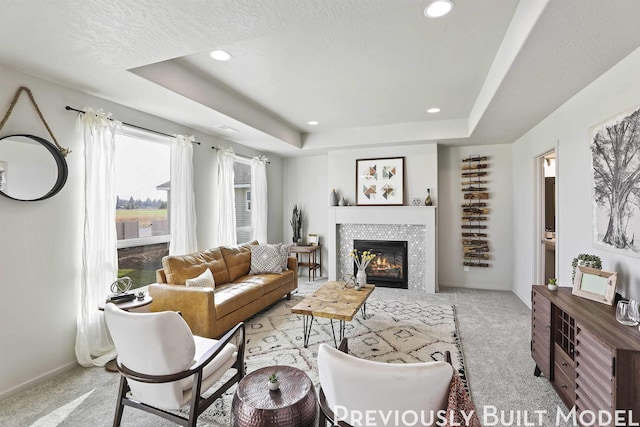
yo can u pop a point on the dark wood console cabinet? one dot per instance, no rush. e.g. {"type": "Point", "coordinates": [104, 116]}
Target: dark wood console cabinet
{"type": "Point", "coordinates": [592, 361]}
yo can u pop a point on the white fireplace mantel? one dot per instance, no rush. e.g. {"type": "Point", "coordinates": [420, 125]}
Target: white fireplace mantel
{"type": "Point", "coordinates": [411, 215]}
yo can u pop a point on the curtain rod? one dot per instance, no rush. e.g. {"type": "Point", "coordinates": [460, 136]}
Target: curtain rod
{"type": "Point", "coordinates": [243, 157]}
{"type": "Point", "coordinates": [133, 126]}
{"type": "Point", "coordinates": [156, 132]}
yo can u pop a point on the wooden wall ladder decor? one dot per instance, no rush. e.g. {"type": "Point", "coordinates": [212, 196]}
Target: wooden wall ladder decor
{"type": "Point", "coordinates": [475, 246]}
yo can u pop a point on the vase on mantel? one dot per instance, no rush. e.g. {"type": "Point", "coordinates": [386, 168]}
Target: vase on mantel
{"type": "Point", "coordinates": [361, 279]}
{"type": "Point", "coordinates": [333, 198]}
{"type": "Point", "coordinates": [427, 200]}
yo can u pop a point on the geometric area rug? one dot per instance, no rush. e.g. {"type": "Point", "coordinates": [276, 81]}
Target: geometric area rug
{"type": "Point", "coordinates": [393, 332]}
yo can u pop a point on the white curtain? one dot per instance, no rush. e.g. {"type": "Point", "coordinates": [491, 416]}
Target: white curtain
{"type": "Point", "coordinates": [182, 203]}
{"type": "Point", "coordinates": [259, 204]}
{"type": "Point", "coordinates": [99, 253]}
{"type": "Point", "coordinates": [226, 198]}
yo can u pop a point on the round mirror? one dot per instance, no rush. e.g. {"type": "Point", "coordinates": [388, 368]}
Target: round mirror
{"type": "Point", "coordinates": [31, 168]}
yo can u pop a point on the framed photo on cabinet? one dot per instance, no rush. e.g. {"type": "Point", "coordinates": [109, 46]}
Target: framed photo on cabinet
{"type": "Point", "coordinates": [595, 285]}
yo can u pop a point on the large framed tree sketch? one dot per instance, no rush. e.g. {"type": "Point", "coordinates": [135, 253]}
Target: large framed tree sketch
{"type": "Point", "coordinates": [615, 160]}
{"type": "Point", "coordinates": [380, 181]}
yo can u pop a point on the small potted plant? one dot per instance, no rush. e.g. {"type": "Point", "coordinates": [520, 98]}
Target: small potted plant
{"type": "Point", "coordinates": [274, 384]}
{"type": "Point", "coordinates": [553, 284]}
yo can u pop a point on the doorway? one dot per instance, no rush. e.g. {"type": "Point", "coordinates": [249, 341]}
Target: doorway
{"type": "Point", "coordinates": [546, 218]}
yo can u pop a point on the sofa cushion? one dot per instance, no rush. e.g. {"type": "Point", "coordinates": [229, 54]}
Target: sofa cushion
{"type": "Point", "coordinates": [179, 268]}
{"type": "Point", "coordinates": [269, 282]}
{"type": "Point", "coordinates": [266, 259]}
{"type": "Point", "coordinates": [233, 296]}
{"type": "Point", "coordinates": [205, 280]}
{"type": "Point", "coordinates": [237, 259]}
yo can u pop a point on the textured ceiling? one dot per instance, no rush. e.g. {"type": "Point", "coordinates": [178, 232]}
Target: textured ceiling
{"type": "Point", "coordinates": [366, 70]}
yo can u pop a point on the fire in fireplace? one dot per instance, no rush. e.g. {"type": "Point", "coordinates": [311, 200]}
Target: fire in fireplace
{"type": "Point", "coordinates": [389, 267]}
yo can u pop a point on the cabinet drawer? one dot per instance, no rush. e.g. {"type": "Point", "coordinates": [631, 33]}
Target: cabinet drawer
{"type": "Point", "coordinates": [564, 363]}
{"type": "Point", "coordinates": [565, 387]}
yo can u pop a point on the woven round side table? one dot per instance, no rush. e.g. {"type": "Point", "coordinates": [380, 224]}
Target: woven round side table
{"type": "Point", "coordinates": [294, 404]}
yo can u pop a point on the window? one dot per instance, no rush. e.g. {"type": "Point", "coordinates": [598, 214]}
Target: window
{"type": "Point", "coordinates": [142, 211]}
{"type": "Point", "coordinates": [242, 186]}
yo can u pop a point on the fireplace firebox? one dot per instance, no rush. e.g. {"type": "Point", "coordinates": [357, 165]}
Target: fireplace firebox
{"type": "Point", "coordinates": [389, 267]}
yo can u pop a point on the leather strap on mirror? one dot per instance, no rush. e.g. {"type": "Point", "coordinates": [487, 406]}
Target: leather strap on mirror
{"type": "Point", "coordinates": [63, 150]}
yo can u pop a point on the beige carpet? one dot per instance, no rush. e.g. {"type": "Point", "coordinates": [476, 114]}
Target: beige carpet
{"type": "Point", "coordinates": [394, 331]}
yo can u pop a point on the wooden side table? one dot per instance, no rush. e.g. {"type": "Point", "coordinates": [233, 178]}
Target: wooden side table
{"type": "Point", "coordinates": [293, 405]}
{"type": "Point", "coordinates": [314, 261]}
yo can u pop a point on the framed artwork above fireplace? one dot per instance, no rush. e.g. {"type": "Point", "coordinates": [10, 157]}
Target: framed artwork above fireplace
{"type": "Point", "coordinates": [380, 182]}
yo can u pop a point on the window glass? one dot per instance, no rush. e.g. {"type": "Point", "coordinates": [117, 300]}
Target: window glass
{"type": "Point", "coordinates": [242, 186]}
{"type": "Point", "coordinates": [142, 215]}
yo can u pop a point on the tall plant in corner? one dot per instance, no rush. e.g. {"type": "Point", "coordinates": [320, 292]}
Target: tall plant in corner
{"type": "Point", "coordinates": [296, 223]}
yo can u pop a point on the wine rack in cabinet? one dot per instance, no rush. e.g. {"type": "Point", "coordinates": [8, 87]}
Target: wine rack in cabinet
{"type": "Point", "coordinates": [591, 360]}
{"type": "Point", "coordinates": [475, 211]}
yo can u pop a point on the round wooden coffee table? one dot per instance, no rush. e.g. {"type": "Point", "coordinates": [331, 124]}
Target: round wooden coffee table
{"type": "Point", "coordinates": [294, 404]}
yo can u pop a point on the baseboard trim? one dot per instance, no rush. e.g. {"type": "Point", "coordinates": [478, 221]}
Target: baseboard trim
{"type": "Point", "coordinates": [35, 381]}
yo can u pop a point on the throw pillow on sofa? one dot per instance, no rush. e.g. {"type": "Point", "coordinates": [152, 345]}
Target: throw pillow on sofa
{"type": "Point", "coordinates": [205, 280]}
{"type": "Point", "coordinates": [266, 259]}
{"type": "Point", "coordinates": [284, 253]}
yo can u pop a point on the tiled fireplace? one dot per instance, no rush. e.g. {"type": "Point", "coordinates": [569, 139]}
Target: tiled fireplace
{"type": "Point", "coordinates": [415, 225]}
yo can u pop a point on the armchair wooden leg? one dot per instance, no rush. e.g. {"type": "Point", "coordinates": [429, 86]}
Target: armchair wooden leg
{"type": "Point", "coordinates": [289, 296]}
{"type": "Point", "coordinates": [122, 392]}
{"type": "Point", "coordinates": [322, 420]}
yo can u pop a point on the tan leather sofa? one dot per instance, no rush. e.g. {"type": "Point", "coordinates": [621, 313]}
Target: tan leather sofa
{"type": "Point", "coordinates": [237, 294]}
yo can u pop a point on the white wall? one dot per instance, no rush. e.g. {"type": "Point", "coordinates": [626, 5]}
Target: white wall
{"type": "Point", "coordinates": [615, 91]}
{"type": "Point", "coordinates": [450, 269]}
{"type": "Point", "coordinates": [305, 184]}
{"type": "Point", "coordinates": [41, 242]}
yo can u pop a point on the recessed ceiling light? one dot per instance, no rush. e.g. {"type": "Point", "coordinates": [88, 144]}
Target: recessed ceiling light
{"type": "Point", "coordinates": [433, 110]}
{"type": "Point", "coordinates": [221, 55]}
{"type": "Point", "coordinates": [313, 123]}
{"type": "Point", "coordinates": [438, 8]}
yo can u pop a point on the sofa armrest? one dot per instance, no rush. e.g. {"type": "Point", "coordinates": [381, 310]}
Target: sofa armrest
{"type": "Point", "coordinates": [160, 276]}
{"type": "Point", "coordinates": [195, 304]}
{"type": "Point", "coordinates": [292, 264]}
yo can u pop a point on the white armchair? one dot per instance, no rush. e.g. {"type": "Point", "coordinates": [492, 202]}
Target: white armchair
{"type": "Point", "coordinates": [356, 392]}
{"type": "Point", "coordinates": [165, 367]}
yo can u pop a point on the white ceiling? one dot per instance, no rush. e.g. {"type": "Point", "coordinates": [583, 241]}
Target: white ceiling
{"type": "Point", "coordinates": [367, 70]}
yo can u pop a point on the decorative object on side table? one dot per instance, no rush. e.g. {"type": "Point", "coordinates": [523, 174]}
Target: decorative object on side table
{"type": "Point", "coordinates": [428, 201]}
{"type": "Point", "coordinates": [313, 239]}
{"type": "Point", "coordinates": [416, 201]}
{"type": "Point", "coordinates": [274, 383]}
{"type": "Point", "coordinates": [120, 291]}
{"type": "Point", "coordinates": [362, 261]}
{"type": "Point", "coordinates": [587, 260]}
{"type": "Point", "coordinates": [553, 284]}
{"type": "Point", "coordinates": [296, 224]}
